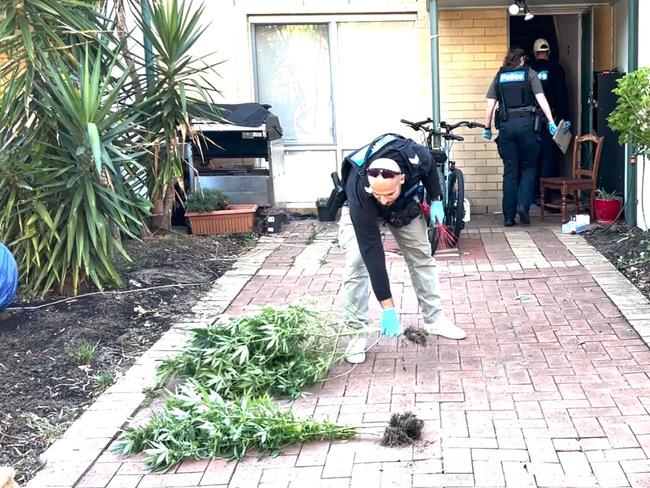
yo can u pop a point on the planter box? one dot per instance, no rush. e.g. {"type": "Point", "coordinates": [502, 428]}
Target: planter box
{"type": "Point", "coordinates": [238, 218]}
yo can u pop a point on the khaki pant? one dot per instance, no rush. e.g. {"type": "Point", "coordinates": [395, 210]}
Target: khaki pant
{"type": "Point", "coordinates": [414, 244]}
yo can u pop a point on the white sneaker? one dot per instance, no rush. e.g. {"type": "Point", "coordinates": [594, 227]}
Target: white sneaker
{"type": "Point", "coordinates": [355, 353]}
{"type": "Point", "coordinates": [445, 328]}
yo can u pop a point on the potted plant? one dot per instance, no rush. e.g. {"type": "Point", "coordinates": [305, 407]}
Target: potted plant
{"type": "Point", "coordinates": [324, 213]}
{"type": "Point", "coordinates": [607, 206]}
{"type": "Point", "coordinates": [210, 212]}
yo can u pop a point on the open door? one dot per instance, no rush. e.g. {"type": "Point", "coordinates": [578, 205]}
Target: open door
{"type": "Point", "coordinates": [586, 70]}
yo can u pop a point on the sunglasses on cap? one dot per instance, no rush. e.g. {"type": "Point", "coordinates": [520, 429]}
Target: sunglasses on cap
{"type": "Point", "coordinates": [385, 173]}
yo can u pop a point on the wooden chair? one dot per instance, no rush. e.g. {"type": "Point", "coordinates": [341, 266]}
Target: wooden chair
{"type": "Point", "coordinates": [581, 178]}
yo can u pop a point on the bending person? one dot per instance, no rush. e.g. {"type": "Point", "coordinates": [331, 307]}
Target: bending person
{"type": "Point", "coordinates": [385, 192]}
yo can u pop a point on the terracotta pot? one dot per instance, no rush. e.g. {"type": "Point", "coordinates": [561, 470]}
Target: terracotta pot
{"type": "Point", "coordinates": [237, 218]}
{"type": "Point", "coordinates": [607, 211]}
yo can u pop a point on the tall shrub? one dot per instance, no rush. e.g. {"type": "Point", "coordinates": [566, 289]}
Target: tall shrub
{"type": "Point", "coordinates": [80, 141]}
{"type": "Point", "coordinates": [631, 117]}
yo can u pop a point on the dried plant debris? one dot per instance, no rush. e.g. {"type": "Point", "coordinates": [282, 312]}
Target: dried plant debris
{"type": "Point", "coordinates": [403, 429]}
{"type": "Point", "coordinates": [416, 335]}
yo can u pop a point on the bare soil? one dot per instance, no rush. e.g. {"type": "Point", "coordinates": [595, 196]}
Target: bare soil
{"type": "Point", "coordinates": [44, 386]}
{"type": "Point", "coordinates": [626, 248]}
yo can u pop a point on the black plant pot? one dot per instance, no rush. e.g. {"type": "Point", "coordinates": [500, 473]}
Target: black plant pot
{"type": "Point", "coordinates": [325, 214]}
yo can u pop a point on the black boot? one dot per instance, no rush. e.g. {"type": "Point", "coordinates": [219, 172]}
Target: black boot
{"type": "Point", "coordinates": [524, 217]}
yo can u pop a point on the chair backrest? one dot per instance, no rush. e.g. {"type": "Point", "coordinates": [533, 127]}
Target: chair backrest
{"type": "Point", "coordinates": [578, 170]}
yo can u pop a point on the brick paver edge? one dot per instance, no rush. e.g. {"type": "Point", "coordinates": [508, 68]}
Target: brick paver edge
{"type": "Point", "coordinates": [634, 306]}
{"type": "Point", "coordinates": [68, 458]}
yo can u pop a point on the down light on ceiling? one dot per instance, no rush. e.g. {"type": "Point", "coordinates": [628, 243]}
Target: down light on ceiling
{"type": "Point", "coordinates": [513, 9]}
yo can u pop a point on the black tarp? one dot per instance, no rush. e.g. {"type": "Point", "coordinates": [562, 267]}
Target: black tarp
{"type": "Point", "coordinates": [243, 114]}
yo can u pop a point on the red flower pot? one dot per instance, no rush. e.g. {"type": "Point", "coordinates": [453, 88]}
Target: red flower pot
{"type": "Point", "coordinates": [607, 211]}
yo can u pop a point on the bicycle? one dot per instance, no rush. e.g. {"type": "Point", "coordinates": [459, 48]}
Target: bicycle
{"type": "Point", "coordinates": [452, 181]}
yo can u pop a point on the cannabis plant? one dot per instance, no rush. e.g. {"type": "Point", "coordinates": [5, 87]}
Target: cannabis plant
{"type": "Point", "coordinates": [198, 423]}
{"type": "Point", "coordinates": [278, 350]}
{"type": "Point", "coordinates": [230, 369]}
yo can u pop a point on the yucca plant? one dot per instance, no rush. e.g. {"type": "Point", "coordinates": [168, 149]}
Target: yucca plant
{"type": "Point", "coordinates": [80, 142]}
{"type": "Point", "coordinates": [180, 86]}
{"type": "Point", "coordinates": [68, 146]}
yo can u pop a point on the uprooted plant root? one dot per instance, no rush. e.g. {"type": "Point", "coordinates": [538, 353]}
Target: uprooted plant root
{"type": "Point", "coordinates": [416, 335]}
{"type": "Point", "coordinates": [403, 429]}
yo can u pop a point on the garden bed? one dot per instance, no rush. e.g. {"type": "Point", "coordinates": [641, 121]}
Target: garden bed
{"type": "Point", "coordinates": [43, 383]}
{"type": "Point", "coordinates": [628, 250]}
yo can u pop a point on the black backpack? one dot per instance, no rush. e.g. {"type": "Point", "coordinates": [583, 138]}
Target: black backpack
{"type": "Point", "coordinates": [391, 146]}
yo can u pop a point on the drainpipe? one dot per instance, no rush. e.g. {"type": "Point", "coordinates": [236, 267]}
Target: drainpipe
{"type": "Point", "coordinates": [632, 65]}
{"type": "Point", "coordinates": [148, 47]}
{"type": "Point", "coordinates": [435, 65]}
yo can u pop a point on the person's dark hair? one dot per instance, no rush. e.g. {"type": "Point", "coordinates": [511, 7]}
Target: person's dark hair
{"type": "Point", "coordinates": [513, 58]}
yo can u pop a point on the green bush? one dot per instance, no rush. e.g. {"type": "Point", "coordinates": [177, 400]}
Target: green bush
{"type": "Point", "coordinates": [206, 201]}
{"type": "Point", "coordinates": [631, 117]}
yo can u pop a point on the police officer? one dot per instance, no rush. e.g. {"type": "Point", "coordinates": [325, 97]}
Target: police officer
{"type": "Point", "coordinates": [383, 191]}
{"type": "Point", "coordinates": [519, 91]}
{"type": "Point", "coordinates": [551, 74]}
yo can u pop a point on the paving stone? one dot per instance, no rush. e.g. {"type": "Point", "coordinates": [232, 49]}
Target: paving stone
{"type": "Point", "coordinates": [551, 390]}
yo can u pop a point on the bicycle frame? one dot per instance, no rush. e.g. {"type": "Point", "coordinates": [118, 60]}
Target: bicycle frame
{"type": "Point", "coordinates": [451, 179]}
{"type": "Point", "coordinates": [448, 138]}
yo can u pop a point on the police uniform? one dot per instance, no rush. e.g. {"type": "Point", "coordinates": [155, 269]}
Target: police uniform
{"type": "Point", "coordinates": [551, 74]}
{"type": "Point", "coordinates": [515, 89]}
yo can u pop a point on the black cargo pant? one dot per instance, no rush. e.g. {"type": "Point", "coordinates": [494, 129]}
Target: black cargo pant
{"type": "Point", "coordinates": [548, 161]}
{"type": "Point", "coordinates": [518, 148]}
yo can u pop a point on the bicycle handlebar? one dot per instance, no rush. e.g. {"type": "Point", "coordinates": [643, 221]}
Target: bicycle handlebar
{"type": "Point", "coordinates": [463, 123]}
{"type": "Point", "coordinates": [417, 125]}
{"type": "Point", "coordinates": [420, 126]}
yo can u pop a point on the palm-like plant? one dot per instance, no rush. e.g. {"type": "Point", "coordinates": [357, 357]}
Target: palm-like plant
{"type": "Point", "coordinates": [76, 164]}
{"type": "Point", "coordinates": [179, 85]}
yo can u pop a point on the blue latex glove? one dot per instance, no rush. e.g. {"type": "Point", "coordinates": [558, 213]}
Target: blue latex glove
{"type": "Point", "coordinates": [487, 134]}
{"type": "Point", "coordinates": [390, 325]}
{"type": "Point", "coordinates": [567, 127]}
{"type": "Point", "coordinates": [437, 212]}
{"type": "Point", "coordinates": [552, 128]}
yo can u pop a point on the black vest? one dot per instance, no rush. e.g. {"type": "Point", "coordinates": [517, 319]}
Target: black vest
{"type": "Point", "coordinates": [546, 72]}
{"type": "Point", "coordinates": [514, 89]}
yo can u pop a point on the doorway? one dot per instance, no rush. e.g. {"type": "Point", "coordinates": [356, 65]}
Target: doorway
{"type": "Point", "coordinates": [563, 32]}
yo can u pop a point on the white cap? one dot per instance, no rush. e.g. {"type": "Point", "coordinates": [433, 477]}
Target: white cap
{"type": "Point", "coordinates": [541, 45]}
{"type": "Point", "coordinates": [385, 163]}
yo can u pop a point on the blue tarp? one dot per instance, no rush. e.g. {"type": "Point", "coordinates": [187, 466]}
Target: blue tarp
{"type": "Point", "coordinates": [8, 277]}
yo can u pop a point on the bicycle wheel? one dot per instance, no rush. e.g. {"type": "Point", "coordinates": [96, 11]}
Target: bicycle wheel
{"type": "Point", "coordinates": [454, 213]}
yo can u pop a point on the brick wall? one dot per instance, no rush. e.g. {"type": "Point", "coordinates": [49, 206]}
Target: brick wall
{"type": "Point", "coordinates": [472, 46]}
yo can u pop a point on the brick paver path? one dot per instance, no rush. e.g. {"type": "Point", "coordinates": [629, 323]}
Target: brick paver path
{"type": "Point", "coordinates": [550, 388]}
